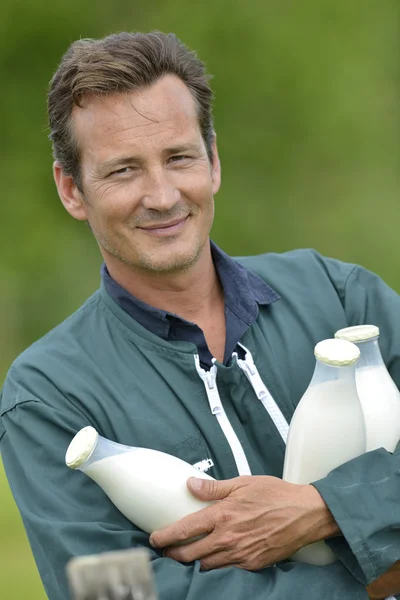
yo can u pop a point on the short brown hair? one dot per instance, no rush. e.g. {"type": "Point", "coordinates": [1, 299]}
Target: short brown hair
{"type": "Point", "coordinates": [117, 63]}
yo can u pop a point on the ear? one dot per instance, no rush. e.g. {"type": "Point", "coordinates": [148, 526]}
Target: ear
{"type": "Point", "coordinates": [69, 193]}
{"type": "Point", "coordinates": [215, 167]}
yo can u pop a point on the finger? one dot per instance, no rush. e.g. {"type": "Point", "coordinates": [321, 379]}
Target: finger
{"type": "Point", "coordinates": [196, 524]}
{"type": "Point", "coordinates": [202, 548]}
{"type": "Point", "coordinates": [210, 489]}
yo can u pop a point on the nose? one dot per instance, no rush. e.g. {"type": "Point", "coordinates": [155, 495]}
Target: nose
{"type": "Point", "coordinates": [159, 192]}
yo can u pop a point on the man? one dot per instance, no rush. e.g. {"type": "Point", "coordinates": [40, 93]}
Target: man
{"type": "Point", "coordinates": [188, 351]}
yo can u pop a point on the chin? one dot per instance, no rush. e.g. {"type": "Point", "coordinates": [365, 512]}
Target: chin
{"type": "Point", "coordinates": [172, 263]}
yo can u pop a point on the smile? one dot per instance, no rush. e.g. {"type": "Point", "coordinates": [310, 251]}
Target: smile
{"type": "Point", "coordinates": [166, 228]}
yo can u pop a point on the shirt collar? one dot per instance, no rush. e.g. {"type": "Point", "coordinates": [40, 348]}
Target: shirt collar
{"type": "Point", "coordinates": [150, 317]}
{"type": "Point", "coordinates": [243, 290]}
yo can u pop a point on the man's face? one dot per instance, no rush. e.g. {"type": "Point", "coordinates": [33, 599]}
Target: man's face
{"type": "Point", "coordinates": [147, 182]}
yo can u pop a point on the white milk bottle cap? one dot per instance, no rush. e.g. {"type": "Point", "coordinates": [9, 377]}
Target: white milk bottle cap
{"type": "Point", "coordinates": [358, 333]}
{"type": "Point", "coordinates": [337, 353]}
{"type": "Point", "coordinates": [81, 447]}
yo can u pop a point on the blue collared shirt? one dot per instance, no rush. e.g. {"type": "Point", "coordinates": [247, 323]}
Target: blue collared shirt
{"type": "Point", "coordinates": [243, 293]}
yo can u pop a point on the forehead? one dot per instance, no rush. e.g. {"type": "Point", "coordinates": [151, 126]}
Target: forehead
{"type": "Point", "coordinates": [161, 113]}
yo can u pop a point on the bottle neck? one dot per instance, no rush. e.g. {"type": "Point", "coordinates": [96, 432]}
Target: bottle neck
{"type": "Point", "coordinates": [370, 354]}
{"type": "Point", "coordinates": [104, 449]}
{"type": "Point", "coordinates": [324, 373]}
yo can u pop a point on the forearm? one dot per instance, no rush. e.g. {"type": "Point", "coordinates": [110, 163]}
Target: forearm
{"type": "Point", "coordinates": [363, 498]}
{"type": "Point", "coordinates": [383, 587]}
{"type": "Point", "coordinates": [321, 524]}
{"type": "Point", "coordinates": [387, 584]}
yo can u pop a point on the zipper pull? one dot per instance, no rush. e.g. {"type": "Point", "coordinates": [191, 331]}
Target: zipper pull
{"type": "Point", "coordinates": [213, 394]}
{"type": "Point", "coordinates": [249, 369]}
{"type": "Point", "coordinates": [210, 382]}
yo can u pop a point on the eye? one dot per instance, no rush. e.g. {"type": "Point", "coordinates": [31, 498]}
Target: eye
{"type": "Point", "coordinates": [120, 171]}
{"type": "Point", "coordinates": [179, 158]}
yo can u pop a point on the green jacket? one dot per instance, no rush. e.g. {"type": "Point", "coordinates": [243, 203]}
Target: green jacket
{"type": "Point", "coordinates": [100, 367]}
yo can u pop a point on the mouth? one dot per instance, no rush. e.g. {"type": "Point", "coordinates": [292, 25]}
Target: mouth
{"type": "Point", "coordinates": [166, 228]}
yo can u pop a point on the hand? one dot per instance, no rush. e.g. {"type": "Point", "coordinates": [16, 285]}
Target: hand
{"type": "Point", "coordinates": [386, 585]}
{"type": "Point", "coordinates": [258, 521]}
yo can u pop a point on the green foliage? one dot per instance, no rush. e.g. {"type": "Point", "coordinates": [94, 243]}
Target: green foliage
{"type": "Point", "coordinates": [19, 579]}
{"type": "Point", "coordinates": [307, 117]}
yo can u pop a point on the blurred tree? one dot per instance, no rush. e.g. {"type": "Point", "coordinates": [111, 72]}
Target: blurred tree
{"type": "Point", "coordinates": [306, 112]}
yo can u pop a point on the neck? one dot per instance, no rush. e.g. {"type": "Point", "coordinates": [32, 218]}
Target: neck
{"type": "Point", "coordinates": [188, 294]}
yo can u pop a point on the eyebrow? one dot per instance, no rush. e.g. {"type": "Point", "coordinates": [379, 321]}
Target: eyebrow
{"type": "Point", "coordinates": [191, 147]}
{"type": "Point", "coordinates": [122, 161]}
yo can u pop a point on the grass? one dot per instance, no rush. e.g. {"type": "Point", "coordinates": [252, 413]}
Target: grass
{"type": "Point", "coordinates": [19, 579]}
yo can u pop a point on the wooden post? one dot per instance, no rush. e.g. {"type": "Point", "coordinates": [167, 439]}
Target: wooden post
{"type": "Point", "coordinates": [120, 575]}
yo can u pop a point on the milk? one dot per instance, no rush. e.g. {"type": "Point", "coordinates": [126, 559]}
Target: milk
{"type": "Point", "coordinates": [379, 396]}
{"type": "Point", "coordinates": [380, 401]}
{"type": "Point", "coordinates": [324, 435]}
{"type": "Point", "coordinates": [327, 428]}
{"type": "Point", "coordinates": [147, 486]}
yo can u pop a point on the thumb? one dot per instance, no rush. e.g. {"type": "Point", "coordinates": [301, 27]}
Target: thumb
{"type": "Point", "coordinates": [209, 489]}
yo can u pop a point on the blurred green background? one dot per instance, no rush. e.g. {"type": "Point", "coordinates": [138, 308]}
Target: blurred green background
{"type": "Point", "coordinates": [307, 116]}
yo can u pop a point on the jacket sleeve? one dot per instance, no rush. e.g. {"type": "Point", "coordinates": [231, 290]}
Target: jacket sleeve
{"type": "Point", "coordinates": [66, 514]}
{"type": "Point", "coordinates": [364, 494]}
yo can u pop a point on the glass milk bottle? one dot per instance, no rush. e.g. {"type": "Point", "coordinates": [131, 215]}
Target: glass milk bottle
{"type": "Point", "coordinates": [327, 428]}
{"type": "Point", "coordinates": [379, 396]}
{"type": "Point", "coordinates": [147, 486]}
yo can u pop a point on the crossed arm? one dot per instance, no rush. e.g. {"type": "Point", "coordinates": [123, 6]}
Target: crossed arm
{"type": "Point", "coordinates": [66, 514]}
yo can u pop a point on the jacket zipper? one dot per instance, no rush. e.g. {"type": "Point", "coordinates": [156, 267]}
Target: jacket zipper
{"type": "Point", "coordinates": [210, 383]}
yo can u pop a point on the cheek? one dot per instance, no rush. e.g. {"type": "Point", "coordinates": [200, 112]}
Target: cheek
{"type": "Point", "coordinates": [195, 183]}
{"type": "Point", "coordinates": [212, 209]}
{"type": "Point", "coordinates": [201, 194]}
{"type": "Point", "coordinates": [111, 205]}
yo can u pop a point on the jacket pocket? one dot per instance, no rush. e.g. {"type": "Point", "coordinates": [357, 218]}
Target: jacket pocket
{"type": "Point", "coordinates": [194, 451]}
